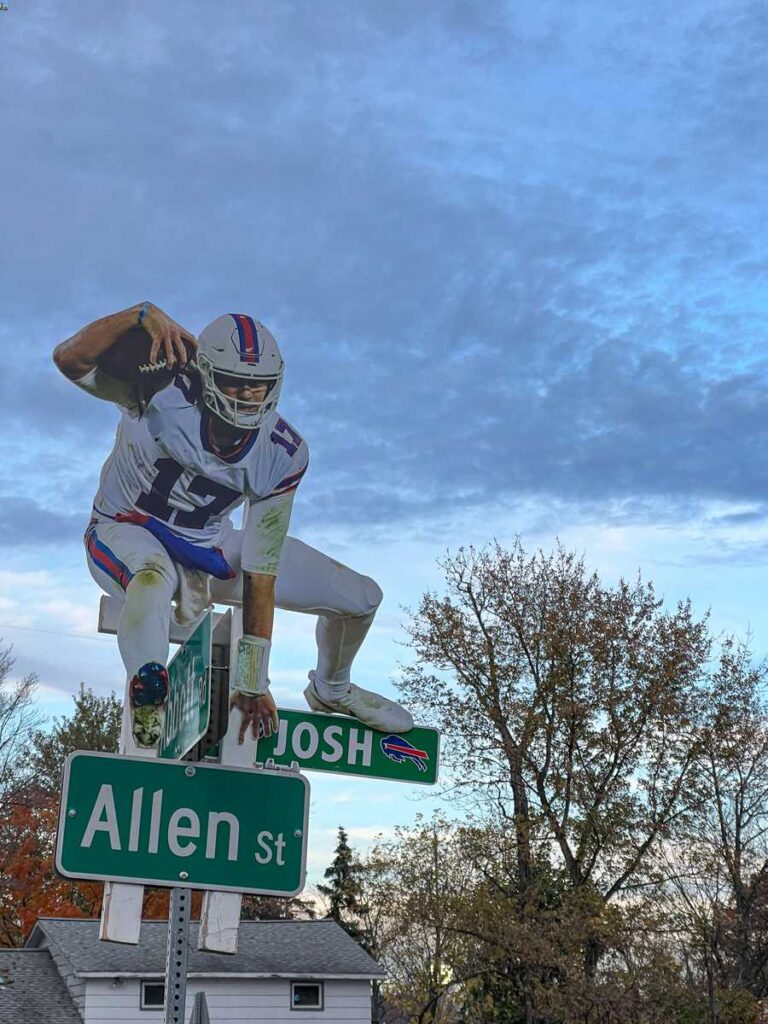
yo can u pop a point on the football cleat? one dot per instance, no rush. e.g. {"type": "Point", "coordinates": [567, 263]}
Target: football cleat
{"type": "Point", "coordinates": [148, 696]}
{"type": "Point", "coordinates": [371, 709]}
{"type": "Point", "coordinates": [236, 351]}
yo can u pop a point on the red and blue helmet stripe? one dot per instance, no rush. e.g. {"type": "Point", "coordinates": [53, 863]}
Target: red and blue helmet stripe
{"type": "Point", "coordinates": [248, 337]}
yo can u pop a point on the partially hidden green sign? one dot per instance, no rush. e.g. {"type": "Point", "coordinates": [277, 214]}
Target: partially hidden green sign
{"type": "Point", "coordinates": [189, 694]}
{"type": "Point", "coordinates": [342, 745]}
{"type": "Point", "coordinates": [135, 819]}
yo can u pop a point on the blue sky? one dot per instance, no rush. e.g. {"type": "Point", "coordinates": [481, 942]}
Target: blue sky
{"type": "Point", "coordinates": [514, 255]}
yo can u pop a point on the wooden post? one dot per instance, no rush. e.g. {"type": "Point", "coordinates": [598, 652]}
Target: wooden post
{"type": "Point", "coordinates": [123, 902]}
{"type": "Point", "coordinates": [220, 914]}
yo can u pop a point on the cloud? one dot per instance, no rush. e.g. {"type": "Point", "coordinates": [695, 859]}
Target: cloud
{"type": "Point", "coordinates": [741, 517]}
{"type": "Point", "coordinates": [24, 522]}
{"type": "Point", "coordinates": [506, 250]}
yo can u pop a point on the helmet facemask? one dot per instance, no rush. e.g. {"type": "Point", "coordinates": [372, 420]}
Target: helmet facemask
{"type": "Point", "coordinates": [239, 413]}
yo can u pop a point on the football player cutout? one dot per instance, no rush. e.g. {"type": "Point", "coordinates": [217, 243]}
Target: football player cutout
{"type": "Point", "coordinates": [161, 531]}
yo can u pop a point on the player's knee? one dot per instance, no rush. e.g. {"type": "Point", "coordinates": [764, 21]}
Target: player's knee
{"type": "Point", "coordinates": [147, 596]}
{"type": "Point", "coordinates": [152, 579]}
{"type": "Point", "coordinates": [371, 596]}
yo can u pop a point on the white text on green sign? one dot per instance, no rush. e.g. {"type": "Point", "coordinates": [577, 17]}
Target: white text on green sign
{"type": "Point", "coordinates": [164, 823]}
{"type": "Point", "coordinates": [189, 695]}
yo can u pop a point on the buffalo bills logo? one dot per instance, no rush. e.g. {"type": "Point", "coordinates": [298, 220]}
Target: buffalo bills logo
{"type": "Point", "coordinates": [399, 750]}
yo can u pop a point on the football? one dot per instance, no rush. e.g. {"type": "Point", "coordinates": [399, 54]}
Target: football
{"type": "Point", "coordinates": [128, 360]}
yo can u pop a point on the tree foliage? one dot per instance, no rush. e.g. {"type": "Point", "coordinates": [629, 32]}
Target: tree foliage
{"type": "Point", "coordinates": [417, 888]}
{"type": "Point", "coordinates": [575, 702]}
{"type": "Point", "coordinates": [457, 950]}
{"type": "Point", "coordinates": [18, 720]}
{"type": "Point", "coordinates": [278, 908]}
{"type": "Point", "coordinates": [30, 886]}
{"type": "Point", "coordinates": [344, 891]}
{"type": "Point", "coordinates": [716, 892]}
{"type": "Point", "coordinates": [93, 725]}
{"type": "Point", "coordinates": [576, 721]}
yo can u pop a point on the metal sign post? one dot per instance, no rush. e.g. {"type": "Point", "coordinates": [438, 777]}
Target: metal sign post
{"type": "Point", "coordinates": [179, 913]}
{"type": "Point", "coordinates": [198, 673]}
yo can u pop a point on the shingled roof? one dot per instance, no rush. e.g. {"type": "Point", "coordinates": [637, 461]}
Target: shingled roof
{"type": "Point", "coordinates": [31, 989]}
{"type": "Point", "coordinates": [317, 949]}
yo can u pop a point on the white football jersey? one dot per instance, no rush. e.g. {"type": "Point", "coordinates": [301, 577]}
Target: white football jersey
{"type": "Point", "coordinates": [165, 464]}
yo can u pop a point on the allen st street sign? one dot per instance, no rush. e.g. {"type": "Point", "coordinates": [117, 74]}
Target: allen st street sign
{"type": "Point", "coordinates": [189, 694]}
{"type": "Point", "coordinates": [137, 819]}
{"type": "Point", "coordinates": [342, 745]}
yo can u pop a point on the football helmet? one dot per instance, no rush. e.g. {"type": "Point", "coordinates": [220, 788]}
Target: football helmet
{"type": "Point", "coordinates": [236, 350]}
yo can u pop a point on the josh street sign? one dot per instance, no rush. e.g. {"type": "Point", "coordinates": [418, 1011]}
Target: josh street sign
{"type": "Point", "coordinates": [137, 819]}
{"type": "Point", "coordinates": [334, 743]}
{"type": "Point", "coordinates": [189, 694]}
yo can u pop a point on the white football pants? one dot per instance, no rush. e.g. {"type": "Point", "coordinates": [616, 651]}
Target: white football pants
{"type": "Point", "coordinates": [129, 563]}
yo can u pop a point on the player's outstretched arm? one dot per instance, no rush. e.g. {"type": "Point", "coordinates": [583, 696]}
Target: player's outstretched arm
{"type": "Point", "coordinates": [79, 354]}
{"type": "Point", "coordinates": [250, 693]}
{"type": "Point", "coordinates": [264, 532]}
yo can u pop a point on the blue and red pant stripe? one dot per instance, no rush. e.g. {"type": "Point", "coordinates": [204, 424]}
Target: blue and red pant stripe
{"type": "Point", "coordinates": [106, 559]}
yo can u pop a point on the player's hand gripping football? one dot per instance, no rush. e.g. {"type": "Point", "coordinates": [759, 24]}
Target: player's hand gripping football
{"type": "Point", "coordinates": [174, 340]}
{"type": "Point", "coordinates": [260, 712]}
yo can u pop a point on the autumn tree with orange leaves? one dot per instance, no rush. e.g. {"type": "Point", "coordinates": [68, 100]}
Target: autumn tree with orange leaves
{"type": "Point", "coordinates": [31, 760]}
{"type": "Point", "coordinates": [30, 887]}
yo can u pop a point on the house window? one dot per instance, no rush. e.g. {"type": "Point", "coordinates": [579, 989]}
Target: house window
{"type": "Point", "coordinates": [306, 995]}
{"type": "Point", "coordinates": [152, 995]}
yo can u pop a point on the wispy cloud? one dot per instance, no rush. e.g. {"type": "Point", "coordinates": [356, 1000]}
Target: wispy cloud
{"type": "Point", "coordinates": [504, 250]}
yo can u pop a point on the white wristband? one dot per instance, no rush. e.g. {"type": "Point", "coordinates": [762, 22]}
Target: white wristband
{"type": "Point", "coordinates": [252, 671]}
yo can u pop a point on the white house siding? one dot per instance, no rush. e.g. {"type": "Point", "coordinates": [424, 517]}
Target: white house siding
{"type": "Point", "coordinates": [234, 1001]}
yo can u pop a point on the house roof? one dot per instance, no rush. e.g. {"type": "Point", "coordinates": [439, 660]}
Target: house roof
{"type": "Point", "coordinates": [31, 989]}
{"type": "Point", "coordinates": [295, 948]}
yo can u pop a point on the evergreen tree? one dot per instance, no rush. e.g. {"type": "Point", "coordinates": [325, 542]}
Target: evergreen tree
{"type": "Point", "coordinates": [94, 725]}
{"type": "Point", "coordinates": [344, 891]}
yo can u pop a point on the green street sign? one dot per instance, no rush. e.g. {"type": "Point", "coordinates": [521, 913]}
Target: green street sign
{"type": "Point", "coordinates": [189, 694]}
{"type": "Point", "coordinates": [137, 819]}
{"type": "Point", "coordinates": [342, 745]}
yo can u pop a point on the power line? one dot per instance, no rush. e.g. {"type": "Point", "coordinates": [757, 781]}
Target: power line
{"type": "Point", "coordinates": [55, 632]}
